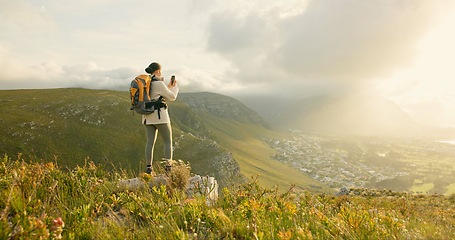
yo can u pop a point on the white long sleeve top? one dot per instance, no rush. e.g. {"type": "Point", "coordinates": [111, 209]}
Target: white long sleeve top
{"type": "Point", "coordinates": [159, 88]}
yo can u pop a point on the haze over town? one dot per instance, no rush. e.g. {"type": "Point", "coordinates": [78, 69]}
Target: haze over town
{"type": "Point", "coordinates": [402, 50]}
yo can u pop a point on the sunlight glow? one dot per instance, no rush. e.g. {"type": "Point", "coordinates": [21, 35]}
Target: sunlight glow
{"type": "Point", "coordinates": [425, 91]}
{"type": "Point", "coordinates": [438, 52]}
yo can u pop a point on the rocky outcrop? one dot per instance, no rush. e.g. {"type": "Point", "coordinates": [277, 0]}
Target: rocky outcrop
{"type": "Point", "coordinates": [227, 168]}
{"type": "Point", "coordinates": [197, 186]}
{"type": "Point", "coordinates": [203, 186]}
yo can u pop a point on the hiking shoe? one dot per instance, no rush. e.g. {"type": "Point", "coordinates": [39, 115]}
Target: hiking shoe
{"type": "Point", "coordinates": [149, 169]}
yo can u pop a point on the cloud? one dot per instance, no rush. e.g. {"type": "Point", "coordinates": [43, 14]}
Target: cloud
{"type": "Point", "coordinates": [399, 49]}
{"type": "Point", "coordinates": [229, 36]}
{"type": "Point", "coordinates": [197, 80]}
{"type": "Point", "coordinates": [89, 75]}
{"type": "Point", "coordinates": [367, 39]}
{"type": "Point", "coordinates": [326, 42]}
{"type": "Point", "coordinates": [19, 74]}
{"type": "Point", "coordinates": [19, 15]}
{"type": "Point", "coordinates": [292, 48]}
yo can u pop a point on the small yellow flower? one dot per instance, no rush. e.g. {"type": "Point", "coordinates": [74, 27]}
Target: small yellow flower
{"type": "Point", "coordinates": [285, 235]}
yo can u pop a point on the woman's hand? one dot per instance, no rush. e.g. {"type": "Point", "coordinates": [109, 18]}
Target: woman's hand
{"type": "Point", "coordinates": [172, 83]}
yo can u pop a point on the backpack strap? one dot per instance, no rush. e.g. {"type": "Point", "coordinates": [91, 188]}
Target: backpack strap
{"type": "Point", "coordinates": [148, 83]}
{"type": "Point", "coordinates": [140, 87]}
{"type": "Point", "coordinates": [153, 78]}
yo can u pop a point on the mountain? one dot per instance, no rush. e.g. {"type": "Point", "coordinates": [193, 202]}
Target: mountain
{"type": "Point", "coordinates": [357, 114]}
{"type": "Point", "coordinates": [242, 132]}
{"type": "Point", "coordinates": [217, 134]}
{"type": "Point", "coordinates": [224, 107]}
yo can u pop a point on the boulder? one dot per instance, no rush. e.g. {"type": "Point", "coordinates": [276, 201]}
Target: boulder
{"type": "Point", "coordinates": [197, 186]}
{"type": "Point", "coordinates": [206, 186]}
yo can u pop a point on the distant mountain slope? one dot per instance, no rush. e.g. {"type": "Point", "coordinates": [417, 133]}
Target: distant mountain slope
{"type": "Point", "coordinates": [241, 131]}
{"type": "Point", "coordinates": [218, 135]}
{"type": "Point", "coordinates": [354, 114]}
{"type": "Point", "coordinates": [222, 106]}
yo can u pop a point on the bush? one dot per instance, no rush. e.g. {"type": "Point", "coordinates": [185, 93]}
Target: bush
{"type": "Point", "coordinates": [452, 198]}
{"type": "Point", "coordinates": [178, 173]}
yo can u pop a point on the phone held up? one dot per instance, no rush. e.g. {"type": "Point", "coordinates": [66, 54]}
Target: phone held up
{"type": "Point", "coordinates": [172, 79]}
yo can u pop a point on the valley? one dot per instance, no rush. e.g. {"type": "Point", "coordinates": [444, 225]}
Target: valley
{"type": "Point", "coordinates": [374, 162]}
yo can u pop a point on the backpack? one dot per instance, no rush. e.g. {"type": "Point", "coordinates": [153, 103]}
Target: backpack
{"type": "Point", "coordinates": [140, 91]}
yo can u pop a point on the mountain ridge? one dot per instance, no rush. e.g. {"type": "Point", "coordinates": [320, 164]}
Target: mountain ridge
{"type": "Point", "coordinates": [214, 104]}
{"type": "Point", "coordinates": [72, 124]}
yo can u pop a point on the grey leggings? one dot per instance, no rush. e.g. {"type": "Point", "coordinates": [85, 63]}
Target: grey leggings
{"type": "Point", "coordinates": [165, 131]}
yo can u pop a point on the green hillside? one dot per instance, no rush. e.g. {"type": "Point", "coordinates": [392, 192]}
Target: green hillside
{"type": "Point", "coordinates": [218, 135]}
{"type": "Point", "coordinates": [255, 157]}
{"type": "Point", "coordinates": [68, 124]}
{"type": "Point", "coordinates": [71, 125]}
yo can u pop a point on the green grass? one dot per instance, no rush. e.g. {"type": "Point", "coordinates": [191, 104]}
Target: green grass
{"type": "Point", "coordinates": [422, 188]}
{"type": "Point", "coordinates": [42, 201]}
{"type": "Point", "coordinates": [450, 189]}
{"type": "Point", "coordinates": [434, 163]}
{"type": "Point", "coordinates": [70, 124]}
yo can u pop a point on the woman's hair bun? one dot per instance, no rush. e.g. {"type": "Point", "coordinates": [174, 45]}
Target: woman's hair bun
{"type": "Point", "coordinates": [153, 67]}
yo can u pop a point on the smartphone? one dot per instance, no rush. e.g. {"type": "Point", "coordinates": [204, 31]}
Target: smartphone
{"type": "Point", "coordinates": [172, 79]}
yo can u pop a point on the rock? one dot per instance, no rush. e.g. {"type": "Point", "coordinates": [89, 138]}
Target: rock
{"type": "Point", "coordinates": [197, 186]}
{"type": "Point", "coordinates": [343, 192]}
{"type": "Point", "coordinates": [158, 180]}
{"type": "Point", "coordinates": [133, 184]}
{"type": "Point", "coordinates": [206, 185]}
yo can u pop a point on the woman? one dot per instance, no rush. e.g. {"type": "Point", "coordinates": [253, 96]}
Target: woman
{"type": "Point", "coordinates": [159, 121]}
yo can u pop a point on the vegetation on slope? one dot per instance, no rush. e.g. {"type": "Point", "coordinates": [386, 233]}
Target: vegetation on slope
{"type": "Point", "coordinates": [65, 124]}
{"type": "Point", "coordinates": [70, 124]}
{"type": "Point", "coordinates": [218, 135]}
{"type": "Point", "coordinates": [42, 201]}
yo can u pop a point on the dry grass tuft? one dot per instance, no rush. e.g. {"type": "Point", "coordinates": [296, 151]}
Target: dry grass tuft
{"type": "Point", "coordinates": [178, 173]}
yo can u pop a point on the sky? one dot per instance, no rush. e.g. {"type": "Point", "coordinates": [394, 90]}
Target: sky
{"type": "Point", "coordinates": [400, 49]}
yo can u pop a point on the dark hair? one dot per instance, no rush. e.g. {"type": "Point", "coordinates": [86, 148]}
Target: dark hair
{"type": "Point", "coordinates": [153, 67]}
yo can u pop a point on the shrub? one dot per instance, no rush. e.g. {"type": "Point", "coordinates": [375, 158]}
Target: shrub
{"type": "Point", "coordinates": [452, 198]}
{"type": "Point", "coordinates": [178, 173]}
